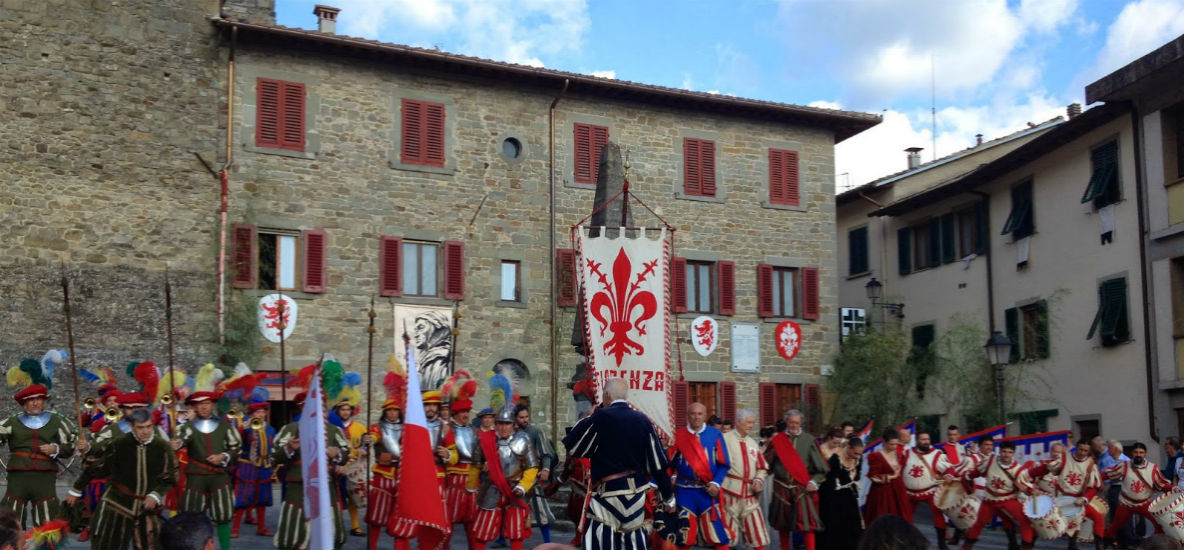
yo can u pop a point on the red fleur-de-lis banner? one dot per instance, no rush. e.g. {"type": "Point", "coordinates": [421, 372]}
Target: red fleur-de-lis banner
{"type": "Point", "coordinates": [625, 288]}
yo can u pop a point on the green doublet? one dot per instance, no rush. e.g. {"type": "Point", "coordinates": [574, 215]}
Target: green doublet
{"type": "Point", "coordinates": [208, 486]}
{"type": "Point", "coordinates": [134, 471]}
{"type": "Point", "coordinates": [34, 487]}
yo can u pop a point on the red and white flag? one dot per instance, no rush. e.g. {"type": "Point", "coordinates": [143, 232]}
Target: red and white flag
{"type": "Point", "coordinates": [625, 288]}
{"type": "Point", "coordinates": [316, 485]}
{"type": "Point", "coordinates": [417, 478]}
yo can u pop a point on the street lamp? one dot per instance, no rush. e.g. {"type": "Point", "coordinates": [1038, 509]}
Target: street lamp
{"type": "Point", "coordinates": [998, 348]}
{"type": "Point", "coordinates": [873, 289]}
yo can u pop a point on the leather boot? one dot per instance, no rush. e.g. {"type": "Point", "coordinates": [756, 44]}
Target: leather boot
{"type": "Point", "coordinates": [941, 535]}
{"type": "Point", "coordinates": [1011, 534]}
{"type": "Point", "coordinates": [956, 537]}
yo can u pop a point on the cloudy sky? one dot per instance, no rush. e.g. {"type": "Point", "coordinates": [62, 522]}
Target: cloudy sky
{"type": "Point", "coordinates": [993, 65]}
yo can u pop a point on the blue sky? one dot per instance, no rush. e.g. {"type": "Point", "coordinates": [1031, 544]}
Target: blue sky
{"type": "Point", "coordinates": [997, 64]}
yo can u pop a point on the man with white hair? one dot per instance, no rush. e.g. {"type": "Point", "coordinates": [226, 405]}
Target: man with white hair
{"type": "Point", "coordinates": [742, 487]}
{"type": "Point", "coordinates": [625, 456]}
{"type": "Point", "coordinates": [798, 468]}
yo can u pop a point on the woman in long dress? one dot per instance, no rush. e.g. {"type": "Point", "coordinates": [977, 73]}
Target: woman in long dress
{"type": "Point", "coordinates": [839, 503]}
{"type": "Point", "coordinates": [888, 493]}
{"type": "Point", "coordinates": [833, 443]}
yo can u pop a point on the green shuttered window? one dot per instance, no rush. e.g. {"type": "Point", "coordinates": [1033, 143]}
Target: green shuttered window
{"type": "Point", "coordinates": [1112, 318]}
{"type": "Point", "coordinates": [1104, 188]}
{"type": "Point", "coordinates": [1021, 219]}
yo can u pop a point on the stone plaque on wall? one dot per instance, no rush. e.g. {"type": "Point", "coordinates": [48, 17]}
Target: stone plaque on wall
{"type": "Point", "coordinates": [746, 347]}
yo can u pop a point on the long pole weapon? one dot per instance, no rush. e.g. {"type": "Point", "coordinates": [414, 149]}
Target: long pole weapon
{"type": "Point", "coordinates": [281, 338]}
{"type": "Point", "coordinates": [169, 339]}
{"type": "Point", "coordinates": [368, 409]}
{"type": "Point", "coordinates": [74, 369]}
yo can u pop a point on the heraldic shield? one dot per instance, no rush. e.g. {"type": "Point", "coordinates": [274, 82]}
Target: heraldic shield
{"type": "Point", "coordinates": [626, 292]}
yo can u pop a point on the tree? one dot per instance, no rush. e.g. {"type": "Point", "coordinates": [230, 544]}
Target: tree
{"type": "Point", "coordinates": [873, 378]}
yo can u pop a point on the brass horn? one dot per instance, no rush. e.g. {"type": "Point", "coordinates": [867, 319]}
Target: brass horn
{"type": "Point", "coordinates": [235, 416]}
{"type": "Point", "coordinates": [112, 414]}
{"type": "Point", "coordinates": [167, 400]}
{"type": "Point", "coordinates": [256, 423]}
{"type": "Point", "coordinates": [89, 403]}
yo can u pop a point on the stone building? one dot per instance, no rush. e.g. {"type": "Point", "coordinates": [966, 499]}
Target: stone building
{"type": "Point", "coordinates": [1068, 240]}
{"type": "Point", "coordinates": [356, 168]}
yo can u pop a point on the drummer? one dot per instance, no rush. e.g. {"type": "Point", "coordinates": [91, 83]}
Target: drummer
{"type": "Point", "coordinates": [1006, 480]}
{"type": "Point", "coordinates": [926, 469]}
{"type": "Point", "coordinates": [1077, 477]}
{"type": "Point", "coordinates": [1140, 481]}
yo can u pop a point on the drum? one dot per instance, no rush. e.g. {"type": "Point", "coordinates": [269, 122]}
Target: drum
{"type": "Point", "coordinates": [1167, 510]}
{"type": "Point", "coordinates": [1045, 516]}
{"type": "Point", "coordinates": [1086, 533]}
{"type": "Point", "coordinates": [959, 506]}
{"type": "Point", "coordinates": [1071, 513]}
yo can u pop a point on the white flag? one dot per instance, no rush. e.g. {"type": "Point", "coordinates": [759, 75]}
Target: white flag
{"type": "Point", "coordinates": [316, 484]}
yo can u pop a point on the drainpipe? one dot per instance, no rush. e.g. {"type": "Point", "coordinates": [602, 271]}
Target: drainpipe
{"type": "Point", "coordinates": [554, 277]}
{"type": "Point", "coordinates": [223, 192]}
{"type": "Point", "coordinates": [1143, 238]}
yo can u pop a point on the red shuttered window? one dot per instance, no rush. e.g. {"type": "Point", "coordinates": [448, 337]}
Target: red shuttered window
{"type": "Point", "coordinates": [390, 266]}
{"type": "Point", "coordinates": [423, 129]}
{"type": "Point", "coordinates": [698, 167]}
{"type": "Point", "coordinates": [764, 290]}
{"type": "Point", "coordinates": [727, 290]}
{"type": "Point", "coordinates": [810, 293]}
{"type": "Point", "coordinates": [314, 261]}
{"type": "Point", "coordinates": [243, 256]}
{"type": "Point", "coordinates": [682, 398]}
{"type": "Point", "coordinates": [768, 405]}
{"type": "Point", "coordinates": [678, 284]}
{"type": "Point", "coordinates": [728, 402]}
{"type": "Point", "coordinates": [280, 114]}
{"type": "Point", "coordinates": [568, 284]}
{"type": "Point", "coordinates": [783, 177]}
{"type": "Point", "coordinates": [453, 270]}
{"type": "Point", "coordinates": [589, 142]}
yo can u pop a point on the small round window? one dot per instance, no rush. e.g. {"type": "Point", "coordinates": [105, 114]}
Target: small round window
{"type": "Point", "coordinates": [511, 148]}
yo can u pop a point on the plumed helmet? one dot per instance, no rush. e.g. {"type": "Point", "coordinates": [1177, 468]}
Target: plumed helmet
{"type": "Point", "coordinates": [505, 415]}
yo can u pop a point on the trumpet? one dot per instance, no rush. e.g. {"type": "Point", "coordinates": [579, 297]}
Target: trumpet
{"type": "Point", "coordinates": [167, 400]}
{"type": "Point", "coordinates": [89, 404]}
{"type": "Point", "coordinates": [235, 416]}
{"type": "Point", "coordinates": [112, 414]}
{"type": "Point", "coordinates": [256, 423]}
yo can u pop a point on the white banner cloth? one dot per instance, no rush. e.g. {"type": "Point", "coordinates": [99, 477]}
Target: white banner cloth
{"type": "Point", "coordinates": [626, 292]}
{"type": "Point", "coordinates": [316, 486]}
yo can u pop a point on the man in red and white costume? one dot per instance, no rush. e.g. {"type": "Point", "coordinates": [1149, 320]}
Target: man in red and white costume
{"type": "Point", "coordinates": [743, 484]}
{"type": "Point", "coordinates": [1075, 476]}
{"type": "Point", "coordinates": [956, 454]}
{"type": "Point", "coordinates": [1141, 480]}
{"type": "Point", "coordinates": [926, 467]}
{"type": "Point", "coordinates": [1007, 481]}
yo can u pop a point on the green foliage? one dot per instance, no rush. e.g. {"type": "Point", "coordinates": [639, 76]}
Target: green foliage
{"type": "Point", "coordinates": [873, 379]}
{"type": "Point", "coordinates": [242, 339]}
{"type": "Point", "coordinates": [963, 381]}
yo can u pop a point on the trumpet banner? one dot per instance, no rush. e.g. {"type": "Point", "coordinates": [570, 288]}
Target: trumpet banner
{"type": "Point", "coordinates": [626, 292]}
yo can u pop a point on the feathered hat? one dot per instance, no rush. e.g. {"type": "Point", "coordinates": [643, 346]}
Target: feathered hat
{"type": "Point", "coordinates": [207, 377]}
{"type": "Point", "coordinates": [28, 373]}
{"type": "Point", "coordinates": [258, 399]}
{"type": "Point", "coordinates": [147, 375]}
{"type": "Point", "coordinates": [332, 376]}
{"type": "Point", "coordinates": [47, 536]}
{"type": "Point", "coordinates": [239, 386]}
{"type": "Point", "coordinates": [459, 389]}
{"type": "Point", "coordinates": [396, 384]}
{"type": "Point", "coordinates": [503, 396]}
{"type": "Point", "coordinates": [348, 393]}
{"type": "Point", "coordinates": [170, 381]}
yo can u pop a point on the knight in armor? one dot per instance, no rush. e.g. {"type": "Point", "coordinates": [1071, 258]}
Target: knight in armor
{"type": "Point", "coordinates": [254, 472]}
{"type": "Point", "coordinates": [923, 473]}
{"type": "Point", "coordinates": [1141, 480]}
{"type": "Point", "coordinates": [1006, 480]}
{"type": "Point", "coordinates": [140, 468]}
{"type": "Point", "coordinates": [463, 453]}
{"type": "Point", "coordinates": [385, 439]}
{"type": "Point", "coordinates": [213, 446]}
{"type": "Point", "coordinates": [700, 461]}
{"type": "Point", "coordinates": [509, 469]}
{"type": "Point", "coordinates": [626, 456]}
{"type": "Point", "coordinates": [440, 431]}
{"type": "Point", "coordinates": [540, 514]}
{"type": "Point", "coordinates": [292, 529]}
{"type": "Point", "coordinates": [36, 439]}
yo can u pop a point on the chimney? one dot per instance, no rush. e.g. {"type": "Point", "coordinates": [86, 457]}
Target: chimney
{"type": "Point", "coordinates": [1073, 110]}
{"type": "Point", "coordinates": [979, 139]}
{"type": "Point", "coordinates": [912, 157]}
{"type": "Point", "coordinates": [326, 18]}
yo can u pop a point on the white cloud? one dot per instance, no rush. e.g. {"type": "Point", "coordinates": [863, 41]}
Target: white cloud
{"type": "Point", "coordinates": [604, 74]}
{"type": "Point", "coordinates": [1140, 28]}
{"type": "Point", "coordinates": [507, 30]}
{"type": "Point", "coordinates": [825, 104]}
{"type": "Point", "coordinates": [1046, 15]}
{"type": "Point", "coordinates": [687, 83]}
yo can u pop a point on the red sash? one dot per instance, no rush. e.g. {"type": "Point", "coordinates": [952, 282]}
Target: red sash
{"type": "Point", "coordinates": [495, 473]}
{"type": "Point", "coordinates": [952, 453]}
{"type": "Point", "coordinates": [696, 456]}
{"type": "Point", "coordinates": [789, 458]}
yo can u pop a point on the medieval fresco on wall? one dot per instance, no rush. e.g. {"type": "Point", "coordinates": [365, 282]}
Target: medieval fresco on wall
{"type": "Point", "coordinates": [429, 330]}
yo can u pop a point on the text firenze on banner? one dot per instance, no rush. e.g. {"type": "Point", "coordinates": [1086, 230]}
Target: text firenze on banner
{"type": "Point", "coordinates": [625, 282]}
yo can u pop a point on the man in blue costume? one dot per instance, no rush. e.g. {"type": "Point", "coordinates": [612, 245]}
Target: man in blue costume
{"type": "Point", "coordinates": [699, 459]}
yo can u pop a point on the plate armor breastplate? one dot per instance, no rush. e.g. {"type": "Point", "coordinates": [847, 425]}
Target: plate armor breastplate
{"type": "Point", "coordinates": [205, 425]}
{"type": "Point", "coordinates": [436, 431]}
{"type": "Point", "coordinates": [391, 437]}
{"type": "Point", "coordinates": [516, 454]}
{"type": "Point", "coordinates": [467, 444]}
{"type": "Point", "coordinates": [34, 421]}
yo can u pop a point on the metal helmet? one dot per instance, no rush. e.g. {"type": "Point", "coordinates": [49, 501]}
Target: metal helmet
{"type": "Point", "coordinates": [505, 415]}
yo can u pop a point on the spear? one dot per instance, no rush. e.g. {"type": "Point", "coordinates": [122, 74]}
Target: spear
{"type": "Point", "coordinates": [169, 341]}
{"type": "Point", "coordinates": [74, 369]}
{"type": "Point", "coordinates": [281, 337]}
{"type": "Point", "coordinates": [368, 409]}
